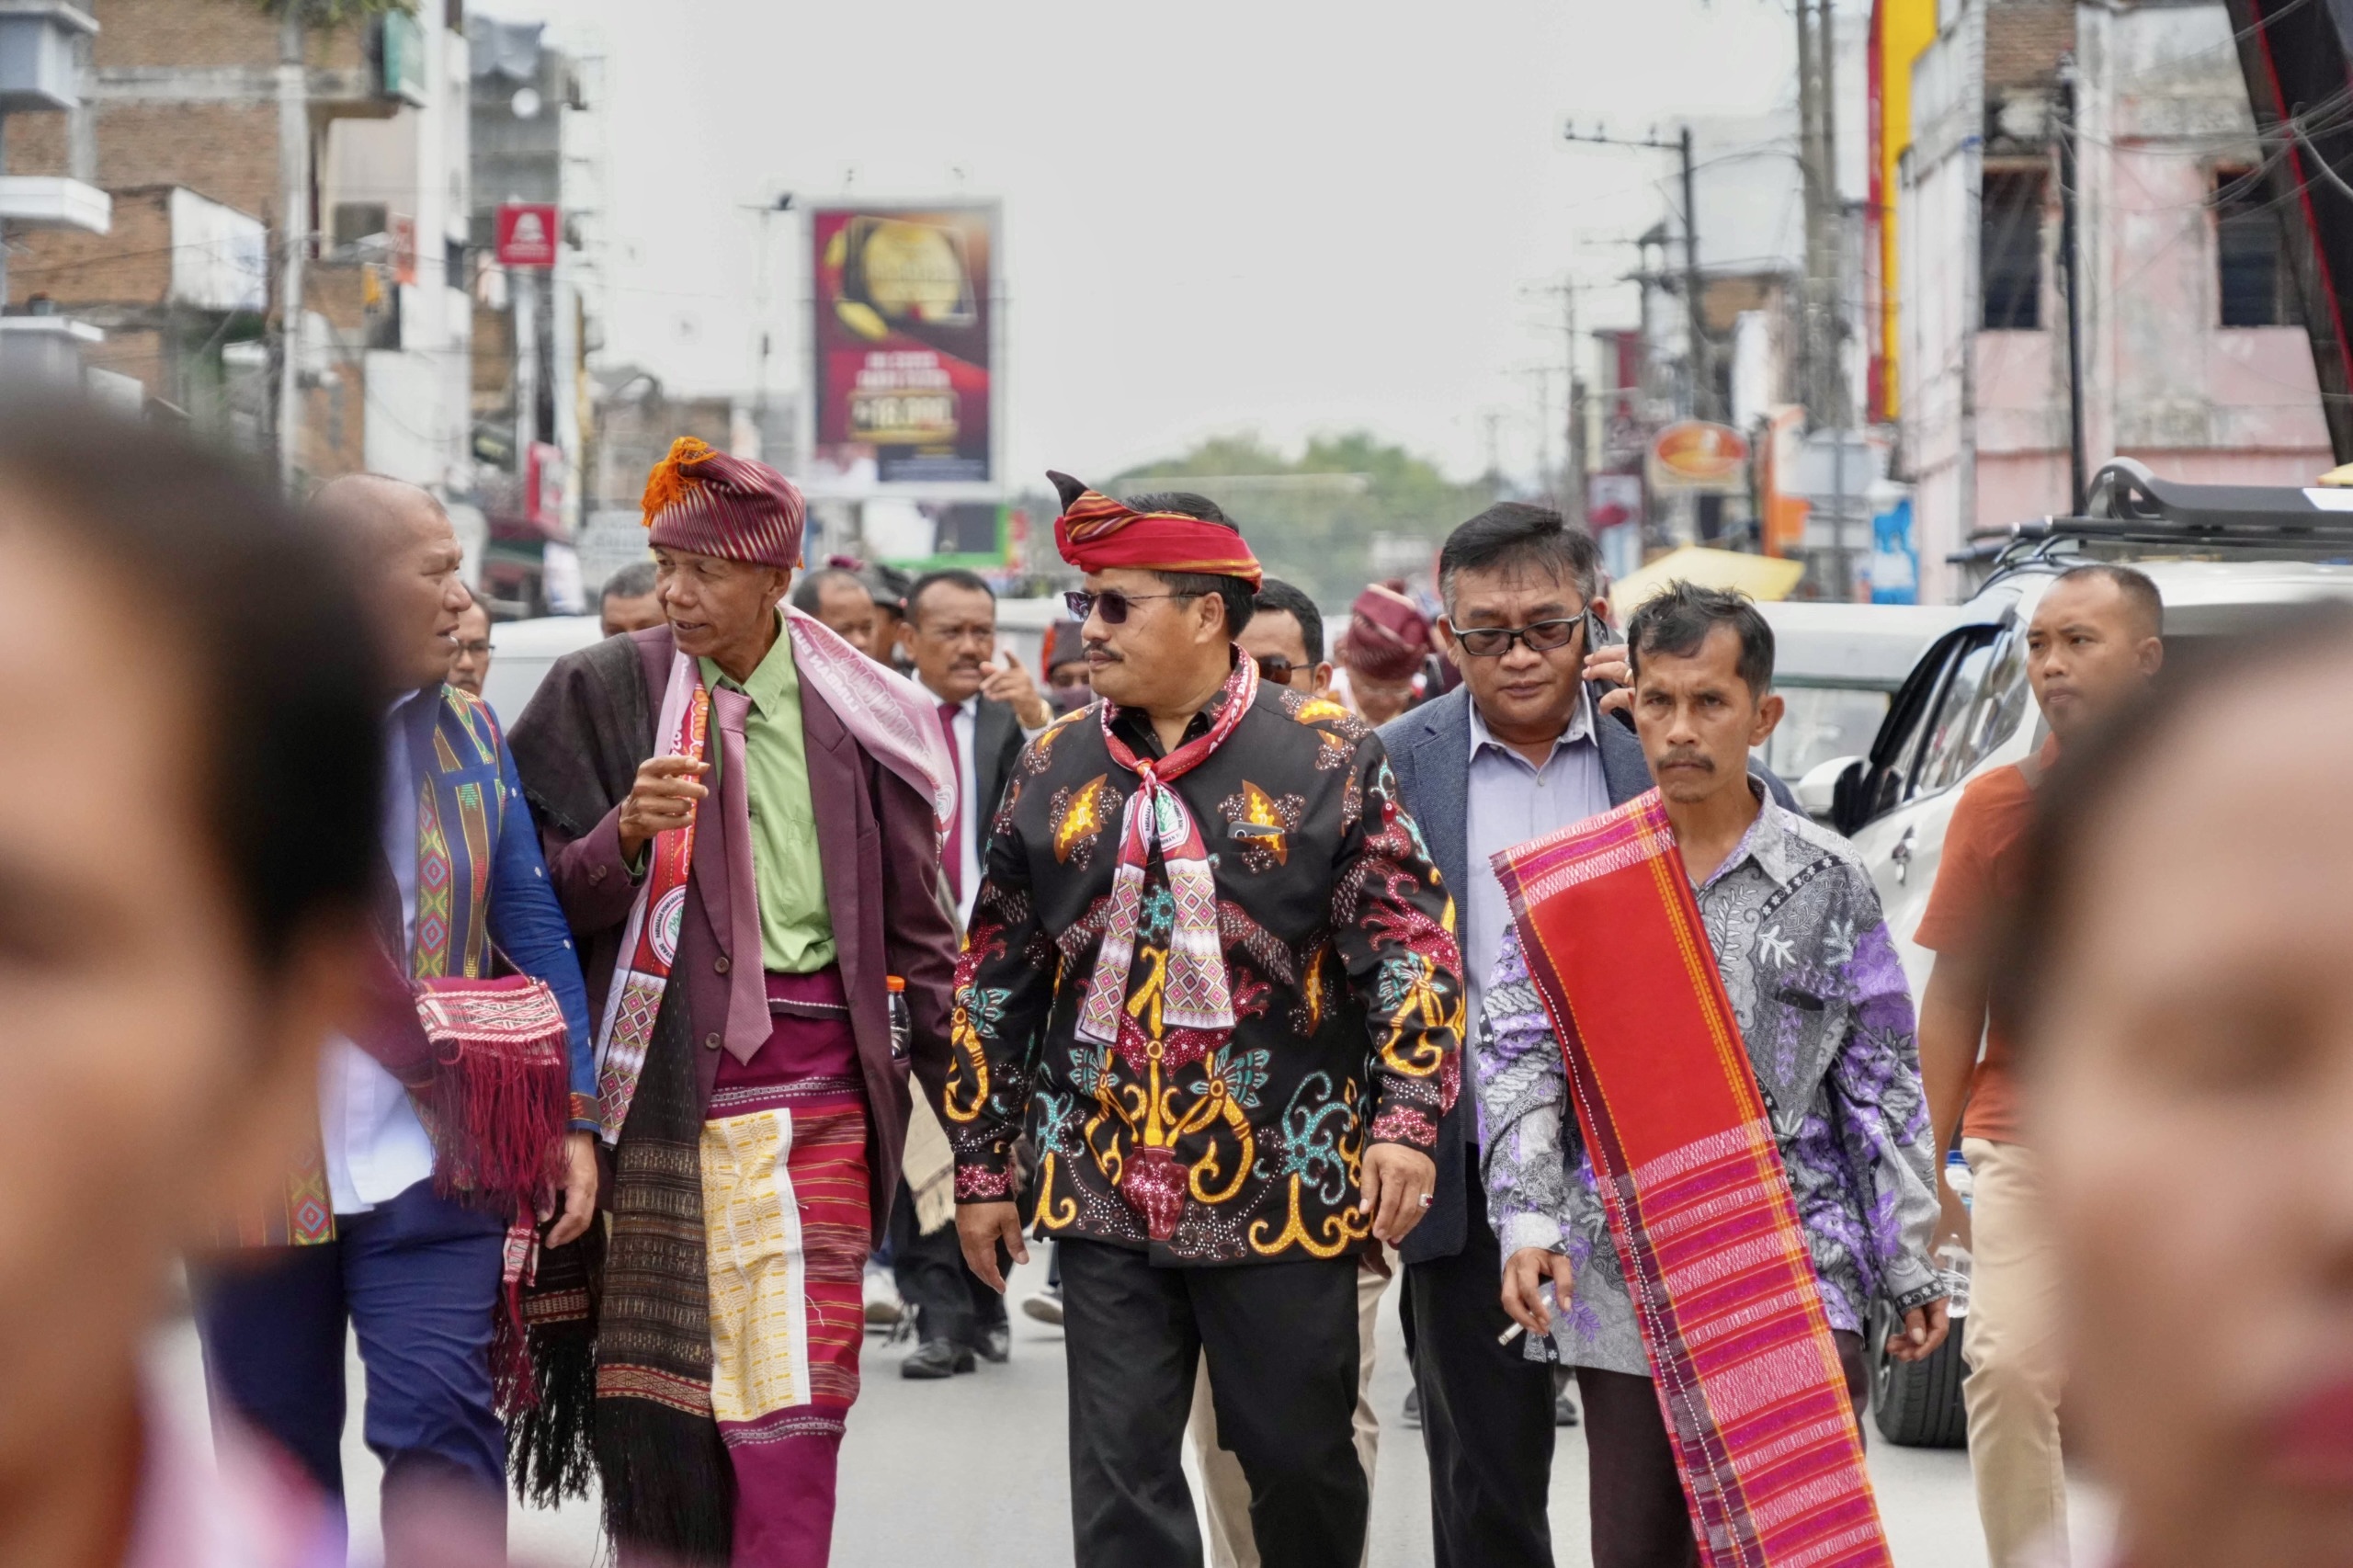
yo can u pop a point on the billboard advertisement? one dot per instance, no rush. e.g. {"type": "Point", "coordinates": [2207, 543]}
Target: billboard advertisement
{"type": "Point", "coordinates": [904, 371]}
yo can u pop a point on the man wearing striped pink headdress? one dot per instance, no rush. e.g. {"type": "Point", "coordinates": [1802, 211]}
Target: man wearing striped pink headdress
{"type": "Point", "coordinates": [739, 801]}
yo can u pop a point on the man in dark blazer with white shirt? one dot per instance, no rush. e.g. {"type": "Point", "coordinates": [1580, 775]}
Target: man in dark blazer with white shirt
{"type": "Point", "coordinates": [1520, 749]}
{"type": "Point", "coordinates": [988, 709]}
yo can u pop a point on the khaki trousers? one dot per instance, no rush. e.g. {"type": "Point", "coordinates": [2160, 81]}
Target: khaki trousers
{"type": "Point", "coordinates": [1231, 1544]}
{"type": "Point", "coordinates": [2015, 1367]}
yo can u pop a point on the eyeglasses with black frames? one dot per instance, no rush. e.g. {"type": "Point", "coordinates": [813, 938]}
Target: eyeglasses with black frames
{"type": "Point", "coordinates": [1542, 636]}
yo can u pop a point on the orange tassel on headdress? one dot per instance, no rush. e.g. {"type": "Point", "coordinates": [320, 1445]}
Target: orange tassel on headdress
{"type": "Point", "coordinates": [669, 482]}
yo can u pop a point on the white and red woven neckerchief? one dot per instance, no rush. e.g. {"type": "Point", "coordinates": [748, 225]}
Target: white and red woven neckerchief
{"type": "Point", "coordinates": [1194, 992]}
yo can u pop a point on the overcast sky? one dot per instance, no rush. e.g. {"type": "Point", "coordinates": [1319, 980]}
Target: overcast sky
{"type": "Point", "coordinates": [1286, 215]}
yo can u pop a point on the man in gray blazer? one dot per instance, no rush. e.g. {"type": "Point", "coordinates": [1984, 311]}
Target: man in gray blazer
{"type": "Point", "coordinates": [1517, 750]}
{"type": "Point", "coordinates": [1520, 749]}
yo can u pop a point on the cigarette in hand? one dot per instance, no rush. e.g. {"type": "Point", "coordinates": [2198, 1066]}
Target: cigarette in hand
{"type": "Point", "coordinates": [1513, 1332]}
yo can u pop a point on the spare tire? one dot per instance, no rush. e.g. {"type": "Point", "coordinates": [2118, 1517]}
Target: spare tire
{"type": "Point", "coordinates": [1918, 1405]}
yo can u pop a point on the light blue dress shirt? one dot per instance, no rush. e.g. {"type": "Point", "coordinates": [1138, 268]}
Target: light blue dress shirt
{"type": "Point", "coordinates": [1512, 800]}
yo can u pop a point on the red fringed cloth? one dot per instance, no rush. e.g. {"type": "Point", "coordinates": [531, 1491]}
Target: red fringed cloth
{"type": "Point", "coordinates": [1697, 1203]}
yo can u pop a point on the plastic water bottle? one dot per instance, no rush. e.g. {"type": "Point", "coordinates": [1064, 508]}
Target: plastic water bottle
{"type": "Point", "coordinates": [1959, 1177]}
{"type": "Point", "coordinates": [1952, 1259]}
{"type": "Point", "coordinates": [903, 1026]}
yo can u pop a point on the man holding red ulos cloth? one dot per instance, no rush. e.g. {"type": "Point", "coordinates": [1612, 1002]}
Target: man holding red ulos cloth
{"type": "Point", "coordinates": [1713, 1222]}
{"type": "Point", "coordinates": [1212, 973]}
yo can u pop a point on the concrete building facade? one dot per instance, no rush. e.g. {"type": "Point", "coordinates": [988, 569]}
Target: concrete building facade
{"type": "Point", "coordinates": [179, 122]}
{"type": "Point", "coordinates": [2193, 360]}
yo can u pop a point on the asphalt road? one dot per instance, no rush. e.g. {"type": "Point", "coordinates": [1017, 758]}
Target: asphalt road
{"type": "Point", "coordinates": [973, 1472]}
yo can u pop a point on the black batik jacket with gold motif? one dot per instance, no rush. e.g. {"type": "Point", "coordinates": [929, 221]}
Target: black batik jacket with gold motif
{"type": "Point", "coordinates": [1207, 1147]}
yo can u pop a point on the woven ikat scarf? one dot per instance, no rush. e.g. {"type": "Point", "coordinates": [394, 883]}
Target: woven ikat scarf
{"type": "Point", "coordinates": [1194, 994]}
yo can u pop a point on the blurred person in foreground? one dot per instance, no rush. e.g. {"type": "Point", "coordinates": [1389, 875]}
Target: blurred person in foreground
{"type": "Point", "coordinates": [627, 602]}
{"type": "Point", "coordinates": [2180, 980]}
{"type": "Point", "coordinates": [1212, 974]}
{"type": "Point", "coordinates": [1806, 1157]}
{"type": "Point", "coordinates": [2094, 643]}
{"type": "Point", "coordinates": [1069, 680]}
{"type": "Point", "coordinates": [181, 926]}
{"type": "Point", "coordinates": [742, 814]}
{"type": "Point", "coordinates": [1382, 656]}
{"type": "Point", "coordinates": [1513, 754]}
{"type": "Point", "coordinates": [1286, 637]}
{"type": "Point", "coordinates": [470, 658]}
{"type": "Point", "coordinates": [987, 709]}
{"type": "Point", "coordinates": [370, 1237]}
{"type": "Point", "coordinates": [837, 597]}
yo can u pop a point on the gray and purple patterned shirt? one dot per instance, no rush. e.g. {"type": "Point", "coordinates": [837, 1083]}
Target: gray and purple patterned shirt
{"type": "Point", "coordinates": [1826, 1015]}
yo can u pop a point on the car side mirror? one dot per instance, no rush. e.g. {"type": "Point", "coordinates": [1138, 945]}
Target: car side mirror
{"type": "Point", "coordinates": [1850, 802]}
{"type": "Point", "coordinates": [1817, 792]}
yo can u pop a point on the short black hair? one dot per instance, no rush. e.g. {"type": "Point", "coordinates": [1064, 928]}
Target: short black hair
{"type": "Point", "coordinates": [1679, 618]}
{"type": "Point", "coordinates": [2139, 589]}
{"type": "Point", "coordinates": [289, 697]}
{"type": "Point", "coordinates": [950, 576]}
{"type": "Point", "coordinates": [810, 591]}
{"type": "Point", "coordinates": [1514, 533]}
{"type": "Point", "coordinates": [634, 581]}
{"type": "Point", "coordinates": [1279, 597]}
{"type": "Point", "coordinates": [1237, 596]}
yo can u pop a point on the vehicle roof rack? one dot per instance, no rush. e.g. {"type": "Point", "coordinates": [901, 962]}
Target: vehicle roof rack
{"type": "Point", "coordinates": [2130, 506]}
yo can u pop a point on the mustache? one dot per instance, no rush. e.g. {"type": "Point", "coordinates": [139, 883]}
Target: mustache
{"type": "Point", "coordinates": [1101, 651]}
{"type": "Point", "coordinates": [1687, 756]}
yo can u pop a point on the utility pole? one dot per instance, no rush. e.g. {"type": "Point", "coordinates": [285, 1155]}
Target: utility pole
{"type": "Point", "coordinates": [1703, 371]}
{"type": "Point", "coordinates": [1574, 487]}
{"type": "Point", "coordinates": [294, 234]}
{"type": "Point", "coordinates": [1704, 403]}
{"type": "Point", "coordinates": [2069, 270]}
{"type": "Point", "coordinates": [1834, 224]}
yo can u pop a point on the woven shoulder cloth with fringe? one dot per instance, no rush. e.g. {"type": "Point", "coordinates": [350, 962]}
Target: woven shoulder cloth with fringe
{"type": "Point", "coordinates": [1699, 1205]}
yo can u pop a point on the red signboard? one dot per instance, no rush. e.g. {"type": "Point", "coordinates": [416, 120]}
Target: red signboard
{"type": "Point", "coordinates": [526, 234]}
{"type": "Point", "coordinates": [902, 340]}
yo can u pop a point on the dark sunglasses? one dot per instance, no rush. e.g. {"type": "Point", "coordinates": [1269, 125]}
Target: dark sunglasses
{"type": "Point", "coordinates": [1111, 602]}
{"type": "Point", "coordinates": [1542, 636]}
{"type": "Point", "coordinates": [1275, 668]}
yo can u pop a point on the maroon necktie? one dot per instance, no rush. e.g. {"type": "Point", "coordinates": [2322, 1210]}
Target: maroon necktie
{"type": "Point", "coordinates": [955, 822]}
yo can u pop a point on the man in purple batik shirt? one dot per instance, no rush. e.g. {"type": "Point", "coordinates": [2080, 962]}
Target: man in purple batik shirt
{"type": "Point", "coordinates": [1826, 1016]}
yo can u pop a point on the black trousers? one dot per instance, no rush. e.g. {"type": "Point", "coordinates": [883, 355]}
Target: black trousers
{"type": "Point", "coordinates": [950, 1302]}
{"type": "Point", "coordinates": [1281, 1343]}
{"type": "Point", "coordinates": [1486, 1409]}
{"type": "Point", "coordinates": [1639, 1520]}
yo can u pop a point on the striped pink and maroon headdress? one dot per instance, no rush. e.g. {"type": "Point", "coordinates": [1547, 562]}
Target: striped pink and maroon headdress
{"type": "Point", "coordinates": [701, 500]}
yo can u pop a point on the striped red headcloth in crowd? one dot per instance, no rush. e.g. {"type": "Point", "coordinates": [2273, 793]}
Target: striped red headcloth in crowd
{"type": "Point", "coordinates": [1095, 533]}
{"type": "Point", "coordinates": [703, 501]}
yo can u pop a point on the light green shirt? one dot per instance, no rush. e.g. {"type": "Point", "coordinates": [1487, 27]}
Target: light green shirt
{"type": "Point", "coordinates": [796, 929]}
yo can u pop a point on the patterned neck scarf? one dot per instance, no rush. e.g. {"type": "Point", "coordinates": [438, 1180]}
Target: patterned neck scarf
{"type": "Point", "coordinates": [1195, 995]}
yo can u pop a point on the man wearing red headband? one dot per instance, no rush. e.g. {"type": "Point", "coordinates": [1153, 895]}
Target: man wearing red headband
{"type": "Point", "coordinates": [739, 801]}
{"type": "Point", "coordinates": [1213, 976]}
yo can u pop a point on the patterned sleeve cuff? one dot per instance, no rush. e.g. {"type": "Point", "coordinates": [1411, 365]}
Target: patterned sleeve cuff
{"type": "Point", "coordinates": [587, 1113]}
{"type": "Point", "coordinates": [982, 1181]}
{"type": "Point", "coordinates": [1407, 1125]}
{"type": "Point", "coordinates": [1520, 1232]}
{"type": "Point", "coordinates": [1912, 1282]}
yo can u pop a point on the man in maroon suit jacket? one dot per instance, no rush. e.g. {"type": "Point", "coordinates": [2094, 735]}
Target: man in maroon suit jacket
{"type": "Point", "coordinates": [741, 816]}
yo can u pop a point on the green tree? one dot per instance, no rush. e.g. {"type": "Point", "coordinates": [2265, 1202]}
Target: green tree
{"type": "Point", "coordinates": [1350, 509]}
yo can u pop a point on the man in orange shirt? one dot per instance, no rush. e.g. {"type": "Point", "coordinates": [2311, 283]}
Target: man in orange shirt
{"type": "Point", "coordinates": [2094, 642]}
